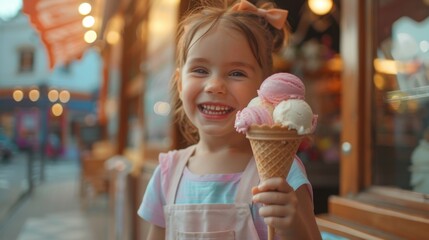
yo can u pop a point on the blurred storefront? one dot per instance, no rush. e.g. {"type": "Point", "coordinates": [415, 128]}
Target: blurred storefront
{"type": "Point", "coordinates": [39, 107]}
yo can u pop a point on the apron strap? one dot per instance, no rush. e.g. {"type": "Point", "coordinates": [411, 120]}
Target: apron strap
{"type": "Point", "coordinates": [177, 166]}
{"type": "Point", "coordinates": [249, 179]}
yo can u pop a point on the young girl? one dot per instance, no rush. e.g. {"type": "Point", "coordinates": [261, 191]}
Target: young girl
{"type": "Point", "coordinates": [211, 189]}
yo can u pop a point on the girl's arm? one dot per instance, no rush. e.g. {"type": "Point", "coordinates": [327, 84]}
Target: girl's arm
{"type": "Point", "coordinates": [156, 233]}
{"type": "Point", "coordinates": [304, 225]}
{"type": "Point", "coordinates": [289, 212]}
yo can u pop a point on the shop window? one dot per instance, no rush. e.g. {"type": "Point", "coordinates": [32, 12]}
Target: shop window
{"type": "Point", "coordinates": [26, 60]}
{"type": "Point", "coordinates": [65, 69]}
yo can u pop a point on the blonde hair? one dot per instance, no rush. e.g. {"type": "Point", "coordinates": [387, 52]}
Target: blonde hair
{"type": "Point", "coordinates": [263, 39]}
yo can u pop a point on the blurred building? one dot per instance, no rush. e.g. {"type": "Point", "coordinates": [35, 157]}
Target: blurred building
{"type": "Point", "coordinates": [36, 100]}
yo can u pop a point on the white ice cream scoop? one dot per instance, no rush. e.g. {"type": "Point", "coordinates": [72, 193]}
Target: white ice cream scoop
{"type": "Point", "coordinates": [295, 114]}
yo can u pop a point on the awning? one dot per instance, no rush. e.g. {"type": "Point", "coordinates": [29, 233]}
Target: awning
{"type": "Point", "coordinates": [59, 24]}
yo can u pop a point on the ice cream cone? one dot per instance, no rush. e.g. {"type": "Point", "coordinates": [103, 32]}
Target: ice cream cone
{"type": "Point", "coordinates": [274, 148]}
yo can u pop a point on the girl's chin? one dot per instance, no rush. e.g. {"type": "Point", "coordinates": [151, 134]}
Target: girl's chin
{"type": "Point", "coordinates": [217, 130]}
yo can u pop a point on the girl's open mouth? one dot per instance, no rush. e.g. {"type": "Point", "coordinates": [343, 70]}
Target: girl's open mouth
{"type": "Point", "coordinates": [215, 109]}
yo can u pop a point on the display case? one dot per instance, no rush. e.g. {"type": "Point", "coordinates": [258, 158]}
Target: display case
{"type": "Point", "coordinates": [385, 80]}
{"type": "Point", "coordinates": [400, 90]}
{"type": "Point", "coordinates": [385, 88]}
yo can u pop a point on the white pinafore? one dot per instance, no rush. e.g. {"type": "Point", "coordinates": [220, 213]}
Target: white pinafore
{"type": "Point", "coordinates": [210, 221]}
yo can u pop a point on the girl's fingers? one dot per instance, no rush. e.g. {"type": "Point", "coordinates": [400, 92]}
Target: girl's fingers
{"type": "Point", "coordinates": [276, 198]}
{"type": "Point", "coordinates": [275, 184]}
{"type": "Point", "coordinates": [275, 211]}
{"type": "Point", "coordinates": [279, 223]}
{"type": "Point", "coordinates": [279, 202]}
{"type": "Point", "coordinates": [272, 191]}
{"type": "Point", "coordinates": [277, 216]}
{"type": "Point", "coordinates": [255, 190]}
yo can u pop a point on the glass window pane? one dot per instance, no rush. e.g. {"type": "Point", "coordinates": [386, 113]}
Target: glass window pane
{"type": "Point", "coordinates": [401, 95]}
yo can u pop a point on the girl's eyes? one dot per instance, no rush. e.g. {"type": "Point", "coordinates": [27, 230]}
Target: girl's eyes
{"type": "Point", "coordinates": [204, 71]}
{"type": "Point", "coordinates": [199, 71]}
{"type": "Point", "coordinates": [238, 74]}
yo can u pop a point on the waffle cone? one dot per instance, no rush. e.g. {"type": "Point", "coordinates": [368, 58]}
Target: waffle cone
{"type": "Point", "coordinates": [274, 148]}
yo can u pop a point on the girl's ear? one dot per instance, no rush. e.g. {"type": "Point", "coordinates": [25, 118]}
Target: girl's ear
{"type": "Point", "coordinates": [178, 82]}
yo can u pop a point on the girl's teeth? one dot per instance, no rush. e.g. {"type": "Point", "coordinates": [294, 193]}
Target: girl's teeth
{"type": "Point", "coordinates": [215, 110]}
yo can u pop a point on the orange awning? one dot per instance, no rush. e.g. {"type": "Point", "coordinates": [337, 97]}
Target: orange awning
{"type": "Point", "coordinates": [60, 27]}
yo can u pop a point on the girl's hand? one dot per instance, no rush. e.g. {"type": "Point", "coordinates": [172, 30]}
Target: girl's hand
{"type": "Point", "coordinates": [280, 204]}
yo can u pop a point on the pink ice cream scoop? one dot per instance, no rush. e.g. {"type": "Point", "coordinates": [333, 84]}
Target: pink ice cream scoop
{"type": "Point", "coordinates": [281, 86]}
{"type": "Point", "coordinates": [254, 115]}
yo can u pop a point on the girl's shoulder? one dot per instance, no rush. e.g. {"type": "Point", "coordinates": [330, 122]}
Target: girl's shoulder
{"type": "Point", "coordinates": [169, 160]}
{"type": "Point", "coordinates": [172, 157]}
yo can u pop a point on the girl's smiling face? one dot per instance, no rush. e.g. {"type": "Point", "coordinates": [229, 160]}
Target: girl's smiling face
{"type": "Point", "coordinates": [219, 77]}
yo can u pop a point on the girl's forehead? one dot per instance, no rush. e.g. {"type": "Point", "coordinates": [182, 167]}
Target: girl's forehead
{"type": "Point", "coordinates": [220, 40]}
{"type": "Point", "coordinates": [221, 47]}
{"type": "Point", "coordinates": [217, 30]}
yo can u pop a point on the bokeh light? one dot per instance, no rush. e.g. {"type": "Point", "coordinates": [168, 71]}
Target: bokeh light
{"type": "Point", "coordinates": [162, 108]}
{"type": "Point", "coordinates": [64, 96]}
{"type": "Point", "coordinates": [34, 95]}
{"type": "Point", "coordinates": [90, 36]}
{"type": "Point", "coordinates": [53, 95]}
{"type": "Point", "coordinates": [88, 21]}
{"type": "Point", "coordinates": [18, 95]}
{"type": "Point", "coordinates": [85, 8]}
{"type": "Point", "coordinates": [320, 7]}
{"type": "Point", "coordinates": [57, 109]}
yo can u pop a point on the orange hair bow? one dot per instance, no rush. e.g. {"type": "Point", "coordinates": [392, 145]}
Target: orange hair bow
{"type": "Point", "coordinates": [275, 16]}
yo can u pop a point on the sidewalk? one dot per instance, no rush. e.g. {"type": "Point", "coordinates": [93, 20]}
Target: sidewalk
{"type": "Point", "coordinates": [55, 211]}
{"type": "Point", "coordinates": [13, 183]}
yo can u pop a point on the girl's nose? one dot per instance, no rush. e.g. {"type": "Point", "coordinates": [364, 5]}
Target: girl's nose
{"type": "Point", "coordinates": [215, 85]}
